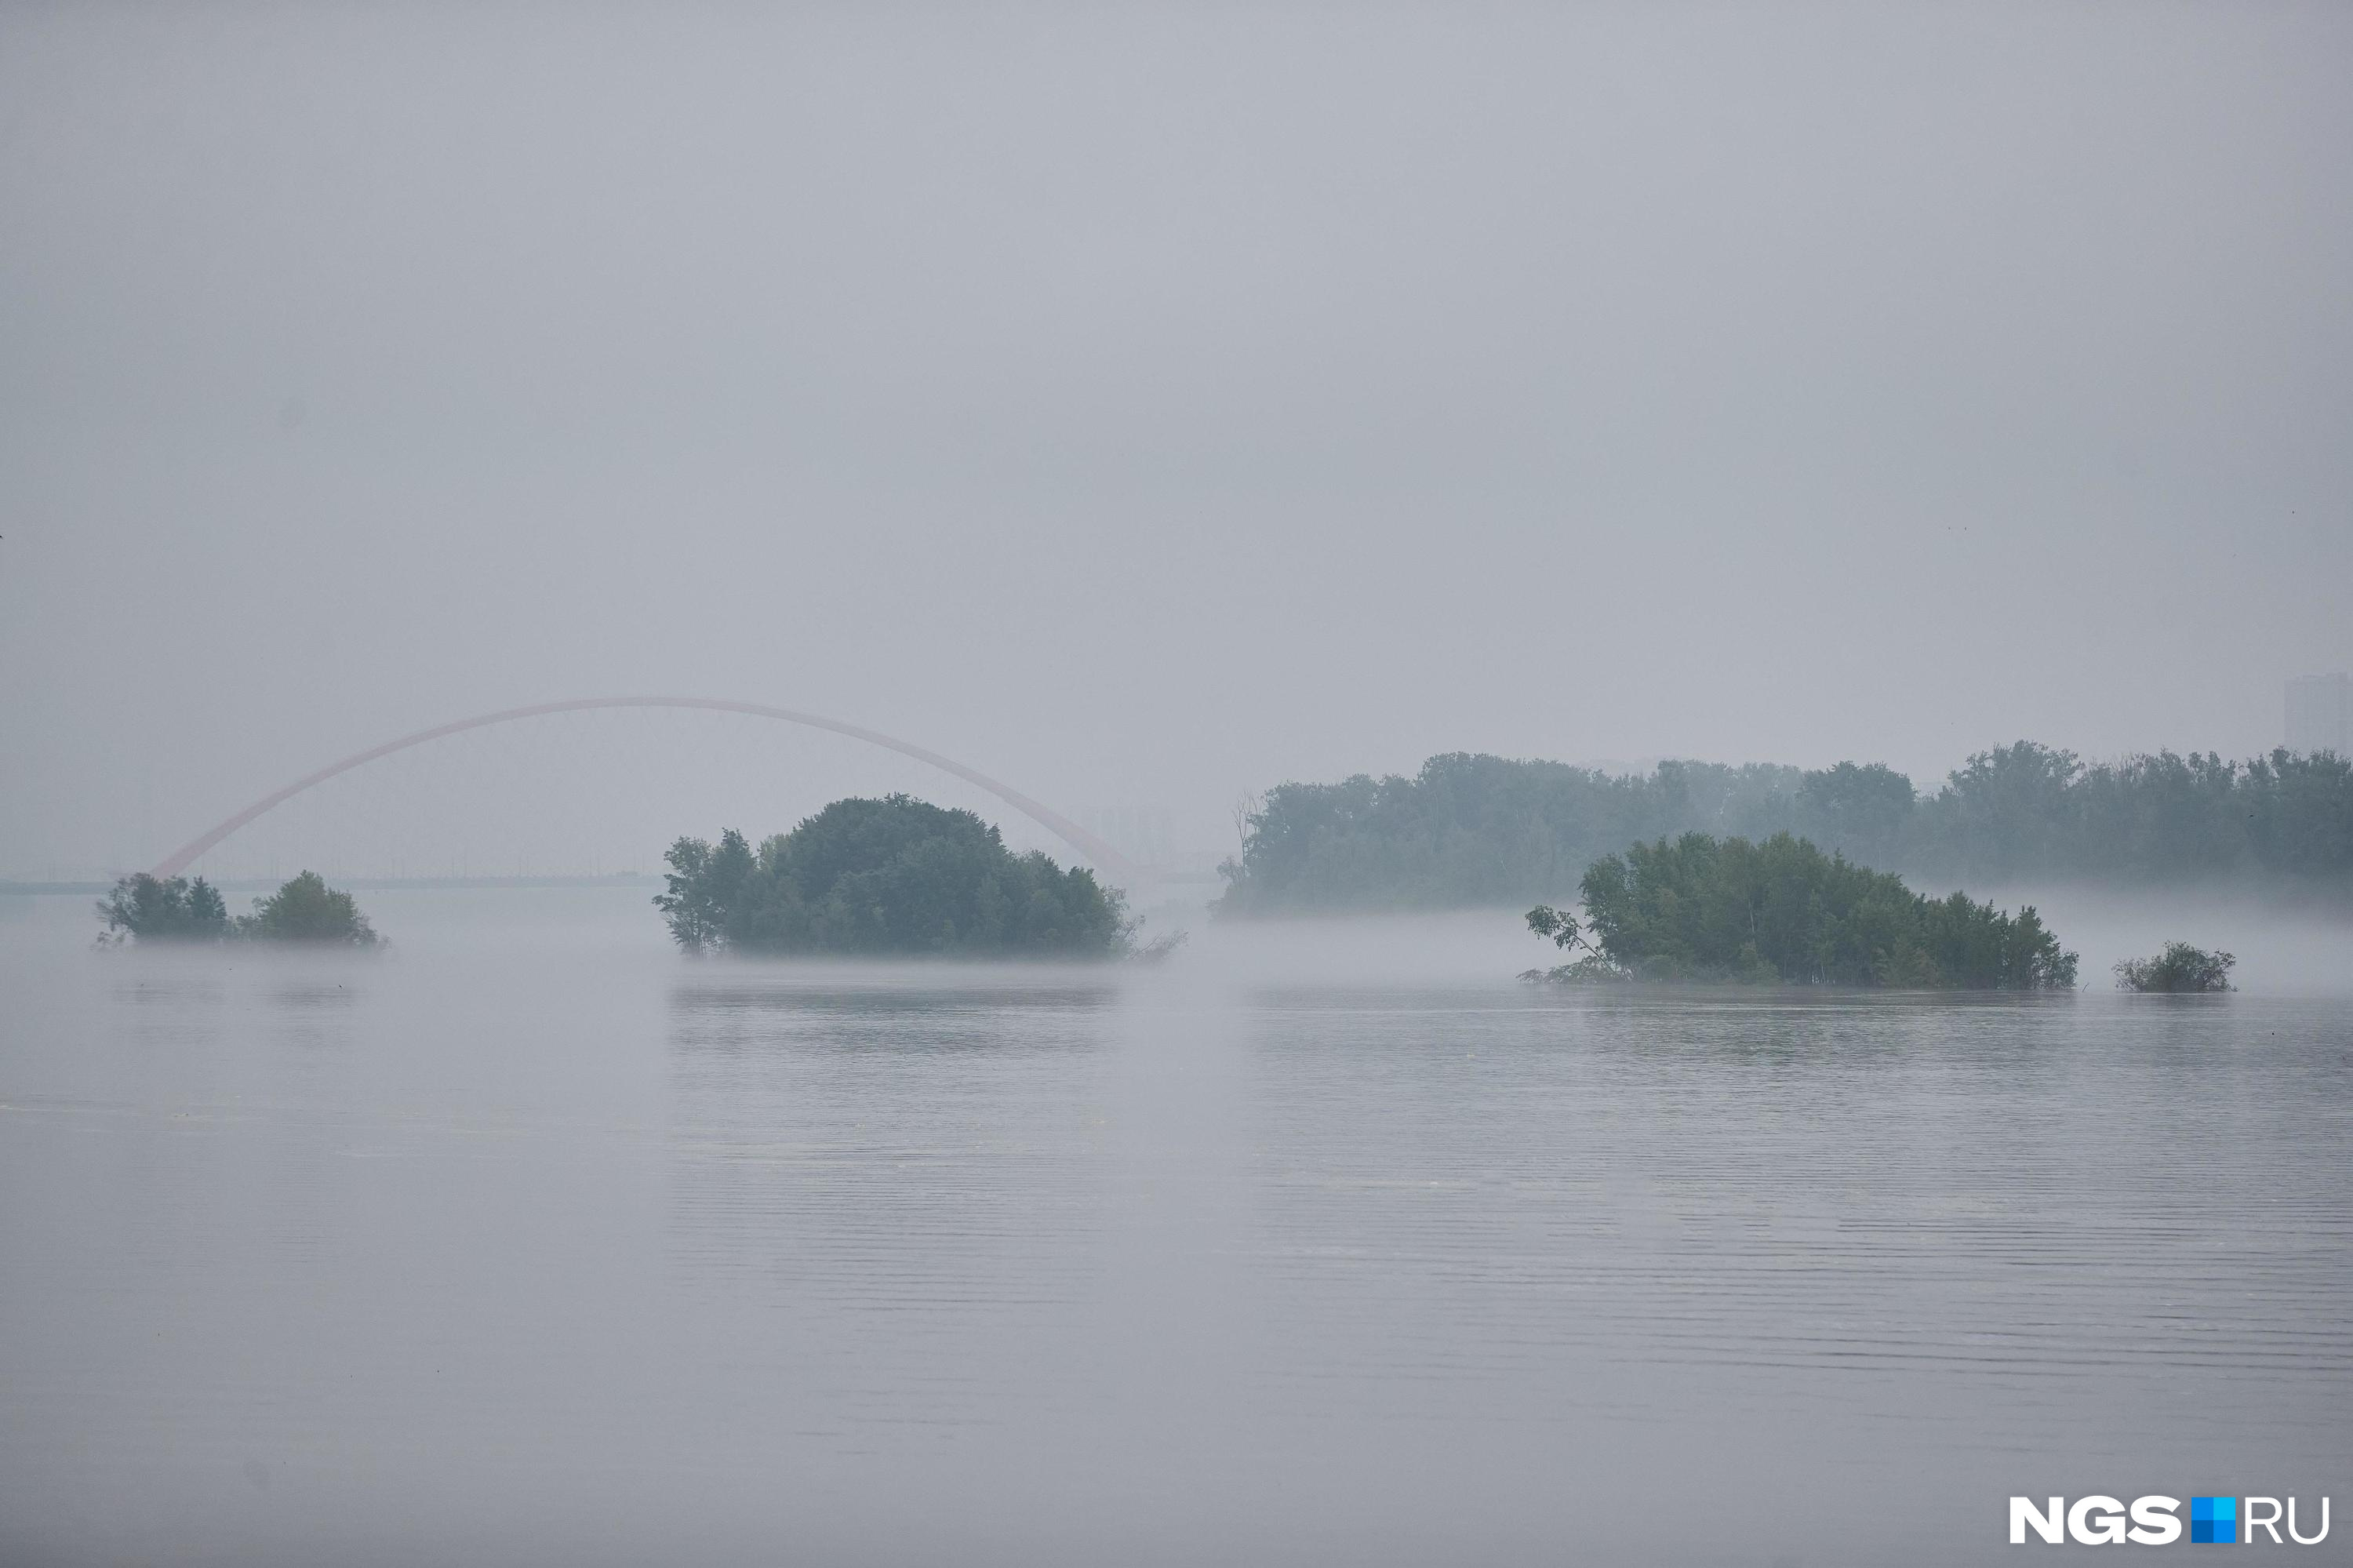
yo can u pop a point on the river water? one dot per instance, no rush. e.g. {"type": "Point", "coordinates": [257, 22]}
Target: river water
{"type": "Point", "coordinates": [532, 1243]}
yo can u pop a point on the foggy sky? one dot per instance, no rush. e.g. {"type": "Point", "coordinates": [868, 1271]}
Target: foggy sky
{"type": "Point", "coordinates": [1148, 407]}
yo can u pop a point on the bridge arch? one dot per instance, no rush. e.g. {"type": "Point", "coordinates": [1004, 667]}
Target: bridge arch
{"type": "Point", "coordinates": [1115, 866]}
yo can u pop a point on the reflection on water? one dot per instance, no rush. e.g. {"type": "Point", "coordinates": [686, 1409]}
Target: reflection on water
{"type": "Point", "coordinates": [910, 1172]}
{"type": "Point", "coordinates": [612, 1258]}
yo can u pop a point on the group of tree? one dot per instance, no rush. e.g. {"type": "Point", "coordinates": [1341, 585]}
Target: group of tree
{"type": "Point", "coordinates": [2179, 967]}
{"type": "Point", "coordinates": [896, 875]}
{"type": "Point", "coordinates": [1697, 908]}
{"type": "Point", "coordinates": [304, 909]}
{"type": "Point", "coordinates": [1470, 831]}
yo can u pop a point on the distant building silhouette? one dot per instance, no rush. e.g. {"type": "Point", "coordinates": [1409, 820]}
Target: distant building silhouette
{"type": "Point", "coordinates": [2320, 713]}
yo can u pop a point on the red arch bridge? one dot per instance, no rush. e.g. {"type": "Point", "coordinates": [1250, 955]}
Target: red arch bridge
{"type": "Point", "coordinates": [1116, 867]}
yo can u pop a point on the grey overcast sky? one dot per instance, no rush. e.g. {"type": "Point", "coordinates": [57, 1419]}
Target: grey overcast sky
{"type": "Point", "coordinates": [1147, 405]}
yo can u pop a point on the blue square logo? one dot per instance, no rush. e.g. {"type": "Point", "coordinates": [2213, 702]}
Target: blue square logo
{"type": "Point", "coordinates": [2214, 1521]}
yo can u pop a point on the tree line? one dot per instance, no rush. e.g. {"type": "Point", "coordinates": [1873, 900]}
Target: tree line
{"type": "Point", "coordinates": [1473, 831]}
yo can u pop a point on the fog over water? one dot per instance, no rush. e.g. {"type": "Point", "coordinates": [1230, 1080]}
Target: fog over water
{"type": "Point", "coordinates": [1138, 409]}
{"type": "Point", "coordinates": [548, 1247]}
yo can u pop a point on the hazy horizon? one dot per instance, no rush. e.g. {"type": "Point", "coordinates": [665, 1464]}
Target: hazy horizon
{"type": "Point", "coordinates": [1146, 409]}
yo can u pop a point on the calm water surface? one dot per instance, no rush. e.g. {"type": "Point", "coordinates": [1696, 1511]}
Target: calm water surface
{"type": "Point", "coordinates": [531, 1244]}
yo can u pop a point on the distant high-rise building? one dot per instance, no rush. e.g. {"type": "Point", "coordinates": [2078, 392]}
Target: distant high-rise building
{"type": "Point", "coordinates": [2320, 713]}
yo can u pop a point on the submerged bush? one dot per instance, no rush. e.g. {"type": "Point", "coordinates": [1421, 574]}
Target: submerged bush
{"type": "Point", "coordinates": [896, 876]}
{"type": "Point", "coordinates": [2179, 968]}
{"type": "Point", "coordinates": [1698, 908]}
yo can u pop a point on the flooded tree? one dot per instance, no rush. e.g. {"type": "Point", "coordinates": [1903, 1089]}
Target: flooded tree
{"type": "Point", "coordinates": [894, 876]}
{"type": "Point", "coordinates": [2179, 967]}
{"type": "Point", "coordinates": [1699, 907]}
{"type": "Point", "coordinates": [305, 909]}
{"type": "Point", "coordinates": [167, 910]}
{"type": "Point", "coordinates": [175, 909]}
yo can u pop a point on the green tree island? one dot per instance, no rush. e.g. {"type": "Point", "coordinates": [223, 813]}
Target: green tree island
{"type": "Point", "coordinates": [2179, 967]}
{"type": "Point", "coordinates": [1782, 912]}
{"type": "Point", "coordinates": [895, 876]}
{"type": "Point", "coordinates": [304, 909]}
